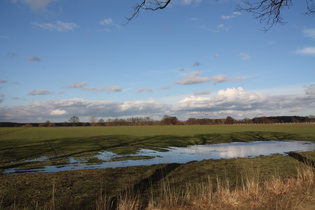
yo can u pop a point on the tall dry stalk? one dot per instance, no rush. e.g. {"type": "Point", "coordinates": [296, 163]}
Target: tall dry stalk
{"type": "Point", "coordinates": [276, 193]}
{"type": "Point", "coordinates": [52, 201]}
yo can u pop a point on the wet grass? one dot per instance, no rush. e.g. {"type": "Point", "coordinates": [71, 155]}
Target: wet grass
{"type": "Point", "coordinates": [85, 189]}
{"type": "Point", "coordinates": [81, 189]}
{"type": "Point", "coordinates": [20, 144]}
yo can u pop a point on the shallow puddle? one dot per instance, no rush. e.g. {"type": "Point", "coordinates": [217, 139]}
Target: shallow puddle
{"type": "Point", "coordinates": [179, 155]}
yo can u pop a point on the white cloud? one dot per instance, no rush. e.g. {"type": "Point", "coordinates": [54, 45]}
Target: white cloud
{"type": "Point", "coordinates": [237, 13]}
{"type": "Point", "coordinates": [114, 88]}
{"type": "Point", "coordinates": [236, 102]}
{"type": "Point", "coordinates": [58, 26]}
{"type": "Point", "coordinates": [195, 19]}
{"type": "Point", "coordinates": [75, 85]}
{"type": "Point", "coordinates": [39, 92]}
{"type": "Point", "coordinates": [245, 56]}
{"type": "Point", "coordinates": [188, 2]}
{"type": "Point", "coordinates": [195, 79]}
{"type": "Point", "coordinates": [96, 89]}
{"type": "Point", "coordinates": [58, 112]}
{"type": "Point", "coordinates": [310, 32]}
{"type": "Point", "coordinates": [306, 51]}
{"type": "Point", "coordinates": [226, 17]}
{"type": "Point", "coordinates": [106, 21]}
{"type": "Point", "coordinates": [141, 90]}
{"type": "Point", "coordinates": [38, 4]}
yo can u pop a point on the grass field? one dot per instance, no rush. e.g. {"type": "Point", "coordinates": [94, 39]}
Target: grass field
{"type": "Point", "coordinates": [87, 189]}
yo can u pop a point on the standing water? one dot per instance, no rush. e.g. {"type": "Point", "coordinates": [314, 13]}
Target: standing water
{"type": "Point", "coordinates": [181, 155]}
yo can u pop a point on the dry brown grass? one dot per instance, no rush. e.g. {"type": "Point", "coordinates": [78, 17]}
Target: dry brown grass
{"type": "Point", "coordinates": [252, 193]}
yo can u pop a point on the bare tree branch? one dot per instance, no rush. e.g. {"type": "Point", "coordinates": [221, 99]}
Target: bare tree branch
{"type": "Point", "coordinates": [152, 5]}
{"type": "Point", "coordinates": [268, 11]}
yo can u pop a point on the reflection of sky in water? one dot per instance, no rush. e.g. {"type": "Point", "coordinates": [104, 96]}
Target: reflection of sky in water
{"type": "Point", "coordinates": [186, 154]}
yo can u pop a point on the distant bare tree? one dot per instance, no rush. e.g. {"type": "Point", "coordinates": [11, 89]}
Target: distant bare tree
{"type": "Point", "coordinates": [93, 120]}
{"type": "Point", "coordinates": [74, 120]}
{"type": "Point", "coordinates": [268, 11]}
{"type": "Point", "coordinates": [101, 122]}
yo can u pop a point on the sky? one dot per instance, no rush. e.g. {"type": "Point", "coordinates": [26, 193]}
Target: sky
{"type": "Point", "coordinates": [194, 59]}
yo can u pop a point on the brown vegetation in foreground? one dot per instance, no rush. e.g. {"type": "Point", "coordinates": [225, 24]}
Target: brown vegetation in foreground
{"type": "Point", "coordinates": [276, 193]}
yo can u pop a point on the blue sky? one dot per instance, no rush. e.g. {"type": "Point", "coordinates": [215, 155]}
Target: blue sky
{"type": "Point", "coordinates": [202, 58]}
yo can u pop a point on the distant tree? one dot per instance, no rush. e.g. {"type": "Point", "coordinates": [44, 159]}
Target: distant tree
{"type": "Point", "coordinates": [229, 120]}
{"type": "Point", "coordinates": [268, 11]}
{"type": "Point", "coordinates": [51, 125]}
{"type": "Point", "coordinates": [46, 124]}
{"type": "Point", "coordinates": [101, 122]}
{"type": "Point", "coordinates": [169, 120]}
{"type": "Point", "coordinates": [93, 120]}
{"type": "Point", "coordinates": [74, 120]}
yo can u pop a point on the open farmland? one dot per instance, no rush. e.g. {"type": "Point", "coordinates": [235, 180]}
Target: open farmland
{"type": "Point", "coordinates": [85, 188]}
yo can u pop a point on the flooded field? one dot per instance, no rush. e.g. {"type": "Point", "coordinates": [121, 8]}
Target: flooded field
{"type": "Point", "coordinates": [187, 154]}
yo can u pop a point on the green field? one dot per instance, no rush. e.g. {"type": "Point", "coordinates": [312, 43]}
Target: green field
{"type": "Point", "coordinates": [80, 189]}
{"type": "Point", "coordinates": [19, 144]}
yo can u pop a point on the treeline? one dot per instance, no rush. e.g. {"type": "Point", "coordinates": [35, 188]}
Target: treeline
{"type": "Point", "coordinates": [166, 120]}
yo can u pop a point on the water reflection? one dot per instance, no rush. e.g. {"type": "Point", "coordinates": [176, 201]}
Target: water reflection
{"type": "Point", "coordinates": [183, 155]}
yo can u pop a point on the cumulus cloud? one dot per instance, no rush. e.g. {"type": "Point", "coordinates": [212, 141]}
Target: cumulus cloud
{"type": "Point", "coordinates": [75, 85]}
{"type": "Point", "coordinates": [306, 51]}
{"type": "Point", "coordinates": [238, 102]}
{"type": "Point", "coordinates": [34, 59]}
{"type": "Point", "coordinates": [58, 26]}
{"type": "Point", "coordinates": [310, 32]}
{"type": "Point", "coordinates": [58, 112]}
{"type": "Point", "coordinates": [39, 92]}
{"type": "Point", "coordinates": [235, 102]}
{"type": "Point", "coordinates": [3, 81]}
{"type": "Point", "coordinates": [194, 78]}
{"type": "Point", "coordinates": [61, 110]}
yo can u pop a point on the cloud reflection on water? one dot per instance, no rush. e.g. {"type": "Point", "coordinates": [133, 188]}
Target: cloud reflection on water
{"type": "Point", "coordinates": [183, 155]}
